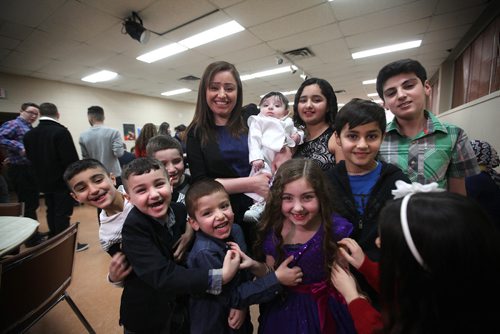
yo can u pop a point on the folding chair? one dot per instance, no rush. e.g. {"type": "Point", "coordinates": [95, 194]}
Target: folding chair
{"type": "Point", "coordinates": [35, 281]}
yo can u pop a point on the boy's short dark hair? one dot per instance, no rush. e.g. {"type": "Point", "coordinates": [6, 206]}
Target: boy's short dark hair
{"type": "Point", "coordinates": [96, 112]}
{"type": "Point", "coordinates": [199, 189]}
{"type": "Point", "coordinates": [359, 112]}
{"type": "Point", "coordinates": [141, 166]}
{"type": "Point", "coordinates": [26, 105]}
{"type": "Point", "coordinates": [80, 166]}
{"type": "Point", "coordinates": [180, 128]}
{"type": "Point", "coordinates": [398, 67]}
{"type": "Point", "coordinates": [48, 109]}
{"type": "Point", "coordinates": [162, 142]}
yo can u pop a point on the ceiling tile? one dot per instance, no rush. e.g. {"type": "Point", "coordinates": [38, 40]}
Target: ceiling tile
{"type": "Point", "coordinates": [295, 23]}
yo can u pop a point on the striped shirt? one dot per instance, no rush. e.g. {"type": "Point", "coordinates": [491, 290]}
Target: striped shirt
{"type": "Point", "coordinates": [11, 138]}
{"type": "Point", "coordinates": [438, 152]}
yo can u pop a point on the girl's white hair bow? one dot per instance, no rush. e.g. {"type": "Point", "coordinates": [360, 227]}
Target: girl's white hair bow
{"type": "Point", "coordinates": [406, 190]}
{"type": "Point", "coordinates": [403, 188]}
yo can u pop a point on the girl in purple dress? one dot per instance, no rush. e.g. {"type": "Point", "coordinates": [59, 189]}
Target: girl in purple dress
{"type": "Point", "coordinates": [298, 221]}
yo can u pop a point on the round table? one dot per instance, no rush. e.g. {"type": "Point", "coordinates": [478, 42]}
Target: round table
{"type": "Point", "coordinates": [14, 231]}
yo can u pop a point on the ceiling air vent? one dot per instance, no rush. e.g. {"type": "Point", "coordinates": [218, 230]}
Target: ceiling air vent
{"type": "Point", "coordinates": [301, 53]}
{"type": "Point", "coordinates": [189, 78]}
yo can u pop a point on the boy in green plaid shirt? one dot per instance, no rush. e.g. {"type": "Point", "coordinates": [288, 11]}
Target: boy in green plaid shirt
{"type": "Point", "coordinates": [426, 149]}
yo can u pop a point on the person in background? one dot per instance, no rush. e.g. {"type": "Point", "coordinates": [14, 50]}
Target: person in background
{"type": "Point", "coordinates": [4, 188]}
{"type": "Point", "coordinates": [102, 143]}
{"type": "Point", "coordinates": [315, 108]}
{"type": "Point", "coordinates": [180, 135]}
{"type": "Point", "coordinates": [164, 129]}
{"type": "Point", "coordinates": [426, 149]}
{"type": "Point", "coordinates": [297, 221]}
{"type": "Point", "coordinates": [485, 186]}
{"type": "Point", "coordinates": [217, 141]}
{"type": "Point", "coordinates": [126, 157]}
{"type": "Point", "coordinates": [20, 170]}
{"type": "Point", "coordinates": [148, 131]}
{"type": "Point", "coordinates": [51, 150]}
{"type": "Point", "coordinates": [438, 254]}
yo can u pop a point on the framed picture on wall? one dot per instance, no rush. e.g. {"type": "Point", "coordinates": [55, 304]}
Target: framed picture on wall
{"type": "Point", "coordinates": [129, 131]}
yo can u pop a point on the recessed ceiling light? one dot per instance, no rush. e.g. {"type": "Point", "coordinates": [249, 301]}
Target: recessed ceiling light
{"type": "Point", "coordinates": [100, 76]}
{"type": "Point", "coordinates": [176, 92]}
{"type": "Point", "coordinates": [161, 53]}
{"type": "Point", "coordinates": [387, 49]}
{"type": "Point", "coordinates": [212, 34]}
{"type": "Point", "coordinates": [266, 73]}
{"type": "Point", "coordinates": [369, 82]}
{"type": "Point", "coordinates": [372, 94]}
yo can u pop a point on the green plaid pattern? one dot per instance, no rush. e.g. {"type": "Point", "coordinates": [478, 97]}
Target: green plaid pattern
{"type": "Point", "coordinates": [435, 154]}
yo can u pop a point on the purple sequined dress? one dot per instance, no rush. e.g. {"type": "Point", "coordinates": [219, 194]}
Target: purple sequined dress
{"type": "Point", "coordinates": [297, 311]}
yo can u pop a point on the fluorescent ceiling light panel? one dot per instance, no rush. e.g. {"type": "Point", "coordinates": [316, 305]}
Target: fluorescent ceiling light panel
{"type": "Point", "coordinates": [266, 73]}
{"type": "Point", "coordinates": [387, 49]}
{"type": "Point", "coordinates": [369, 82]}
{"type": "Point", "coordinates": [161, 53]}
{"type": "Point", "coordinates": [100, 76]}
{"type": "Point", "coordinates": [212, 34]}
{"type": "Point", "coordinates": [176, 92]}
{"type": "Point", "coordinates": [372, 94]}
{"type": "Point", "coordinates": [204, 37]}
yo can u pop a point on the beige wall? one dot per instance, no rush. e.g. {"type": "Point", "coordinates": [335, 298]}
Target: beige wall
{"type": "Point", "coordinates": [479, 118]}
{"type": "Point", "coordinates": [73, 101]}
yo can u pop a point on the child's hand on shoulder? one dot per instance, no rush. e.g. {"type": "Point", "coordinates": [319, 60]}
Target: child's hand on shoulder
{"type": "Point", "coordinates": [288, 276]}
{"type": "Point", "coordinates": [181, 246]}
{"type": "Point", "coordinates": [231, 265]}
{"type": "Point", "coordinates": [246, 261]}
{"type": "Point", "coordinates": [351, 252]}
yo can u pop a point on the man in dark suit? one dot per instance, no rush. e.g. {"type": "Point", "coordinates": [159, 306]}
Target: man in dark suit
{"type": "Point", "coordinates": [50, 149]}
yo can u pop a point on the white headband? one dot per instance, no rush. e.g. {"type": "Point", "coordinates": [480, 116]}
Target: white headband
{"type": "Point", "coordinates": [406, 231]}
{"type": "Point", "coordinates": [406, 190]}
